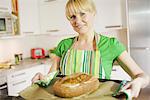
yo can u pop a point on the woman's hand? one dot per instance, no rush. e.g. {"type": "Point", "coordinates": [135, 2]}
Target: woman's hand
{"type": "Point", "coordinates": [55, 66]}
{"type": "Point", "coordinates": [136, 84]}
{"type": "Point", "coordinates": [140, 80]}
{"type": "Point", "coordinates": [38, 76]}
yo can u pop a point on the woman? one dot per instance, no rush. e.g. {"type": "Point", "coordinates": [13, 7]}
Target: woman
{"type": "Point", "coordinates": [92, 53]}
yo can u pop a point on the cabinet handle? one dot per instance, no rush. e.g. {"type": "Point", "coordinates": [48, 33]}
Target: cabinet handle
{"type": "Point", "coordinates": [55, 30]}
{"type": "Point", "coordinates": [28, 32]}
{"type": "Point", "coordinates": [49, 0]}
{"type": "Point", "coordinates": [114, 69]}
{"type": "Point", "coordinates": [19, 82]}
{"type": "Point", "coordinates": [18, 74]}
{"type": "Point", "coordinates": [2, 8]}
{"type": "Point", "coordinates": [140, 48]}
{"type": "Point", "coordinates": [113, 26]}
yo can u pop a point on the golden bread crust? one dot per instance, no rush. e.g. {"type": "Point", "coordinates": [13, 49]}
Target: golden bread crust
{"type": "Point", "coordinates": [75, 85]}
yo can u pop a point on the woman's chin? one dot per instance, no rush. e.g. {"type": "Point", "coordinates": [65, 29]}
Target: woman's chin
{"type": "Point", "coordinates": [81, 31]}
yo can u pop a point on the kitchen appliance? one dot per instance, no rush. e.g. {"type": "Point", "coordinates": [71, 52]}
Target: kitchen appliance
{"type": "Point", "coordinates": [139, 32]}
{"type": "Point", "coordinates": [6, 24]}
{"type": "Point", "coordinates": [37, 53]}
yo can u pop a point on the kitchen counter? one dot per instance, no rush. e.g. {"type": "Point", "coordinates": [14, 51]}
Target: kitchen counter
{"type": "Point", "coordinates": [20, 75]}
{"type": "Point", "coordinates": [25, 63]}
{"type": "Point", "coordinates": [144, 94]}
{"type": "Point", "coordinates": [28, 62]}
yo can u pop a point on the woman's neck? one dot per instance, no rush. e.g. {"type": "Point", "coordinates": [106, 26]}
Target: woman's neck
{"type": "Point", "coordinates": [86, 38]}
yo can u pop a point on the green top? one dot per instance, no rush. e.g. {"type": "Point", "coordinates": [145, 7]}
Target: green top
{"type": "Point", "coordinates": [110, 49]}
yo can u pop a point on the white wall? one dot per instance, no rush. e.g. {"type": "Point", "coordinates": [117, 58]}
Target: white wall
{"type": "Point", "coordinates": [23, 44]}
{"type": "Point", "coordinates": [11, 46]}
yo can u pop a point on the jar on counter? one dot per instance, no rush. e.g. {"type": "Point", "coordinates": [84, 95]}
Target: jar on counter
{"type": "Point", "coordinates": [18, 58]}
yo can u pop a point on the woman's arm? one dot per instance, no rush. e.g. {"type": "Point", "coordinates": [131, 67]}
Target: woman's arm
{"type": "Point", "coordinates": [54, 67]}
{"type": "Point", "coordinates": [140, 79]}
{"type": "Point", "coordinates": [55, 63]}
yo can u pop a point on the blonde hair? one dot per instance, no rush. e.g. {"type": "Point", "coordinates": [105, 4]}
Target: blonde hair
{"type": "Point", "coordinates": [75, 6]}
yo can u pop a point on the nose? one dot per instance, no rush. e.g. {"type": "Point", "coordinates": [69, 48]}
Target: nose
{"type": "Point", "coordinates": [78, 20]}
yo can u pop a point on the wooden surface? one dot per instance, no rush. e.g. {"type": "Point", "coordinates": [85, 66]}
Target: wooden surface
{"type": "Point", "coordinates": [104, 92]}
{"type": "Point", "coordinates": [144, 94]}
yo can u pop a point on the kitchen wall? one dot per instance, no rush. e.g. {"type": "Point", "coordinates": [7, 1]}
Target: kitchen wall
{"type": "Point", "coordinates": [23, 44]}
{"type": "Point", "coordinates": [11, 46]}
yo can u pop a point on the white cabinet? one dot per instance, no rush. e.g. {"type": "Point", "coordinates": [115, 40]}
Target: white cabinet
{"type": "Point", "coordinates": [28, 16]}
{"type": "Point", "coordinates": [109, 14]}
{"type": "Point", "coordinates": [53, 18]}
{"type": "Point", "coordinates": [5, 6]}
{"type": "Point", "coordinates": [48, 16]}
{"type": "Point", "coordinates": [19, 80]}
{"type": "Point", "coordinates": [119, 74]}
{"type": "Point", "coordinates": [52, 15]}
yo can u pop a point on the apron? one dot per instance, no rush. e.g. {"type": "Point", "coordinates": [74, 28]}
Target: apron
{"type": "Point", "coordinates": [87, 61]}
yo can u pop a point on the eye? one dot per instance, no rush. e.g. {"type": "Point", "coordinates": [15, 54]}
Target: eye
{"type": "Point", "coordinates": [72, 17]}
{"type": "Point", "coordinates": [82, 13]}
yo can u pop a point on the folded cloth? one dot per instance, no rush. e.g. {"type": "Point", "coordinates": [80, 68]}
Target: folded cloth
{"type": "Point", "coordinates": [47, 79]}
{"type": "Point", "coordinates": [126, 92]}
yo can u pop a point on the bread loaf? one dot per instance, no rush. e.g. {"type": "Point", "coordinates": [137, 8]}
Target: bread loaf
{"type": "Point", "coordinates": [75, 85]}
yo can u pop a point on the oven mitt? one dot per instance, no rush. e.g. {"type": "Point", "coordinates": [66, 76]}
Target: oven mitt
{"type": "Point", "coordinates": [47, 79]}
{"type": "Point", "coordinates": [126, 92]}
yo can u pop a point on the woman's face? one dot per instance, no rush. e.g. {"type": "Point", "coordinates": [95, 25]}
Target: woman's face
{"type": "Point", "coordinates": [82, 22]}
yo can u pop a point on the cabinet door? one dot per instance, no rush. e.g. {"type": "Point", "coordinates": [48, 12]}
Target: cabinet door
{"type": "Point", "coordinates": [19, 80]}
{"type": "Point", "coordinates": [17, 75]}
{"type": "Point", "coordinates": [108, 14]}
{"type": "Point", "coordinates": [5, 6]}
{"type": "Point", "coordinates": [17, 86]}
{"type": "Point", "coordinates": [52, 17]}
{"type": "Point", "coordinates": [29, 16]}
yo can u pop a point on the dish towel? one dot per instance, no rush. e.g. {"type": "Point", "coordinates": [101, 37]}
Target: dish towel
{"type": "Point", "coordinates": [126, 92]}
{"type": "Point", "coordinates": [47, 79]}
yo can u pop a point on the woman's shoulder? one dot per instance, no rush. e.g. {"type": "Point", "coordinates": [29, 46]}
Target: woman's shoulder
{"type": "Point", "coordinates": [63, 46]}
{"type": "Point", "coordinates": [111, 44]}
{"type": "Point", "coordinates": [67, 41]}
{"type": "Point", "coordinates": [107, 39]}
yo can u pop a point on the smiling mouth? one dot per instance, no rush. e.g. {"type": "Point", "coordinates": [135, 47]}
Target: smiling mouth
{"type": "Point", "coordinates": [78, 27]}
